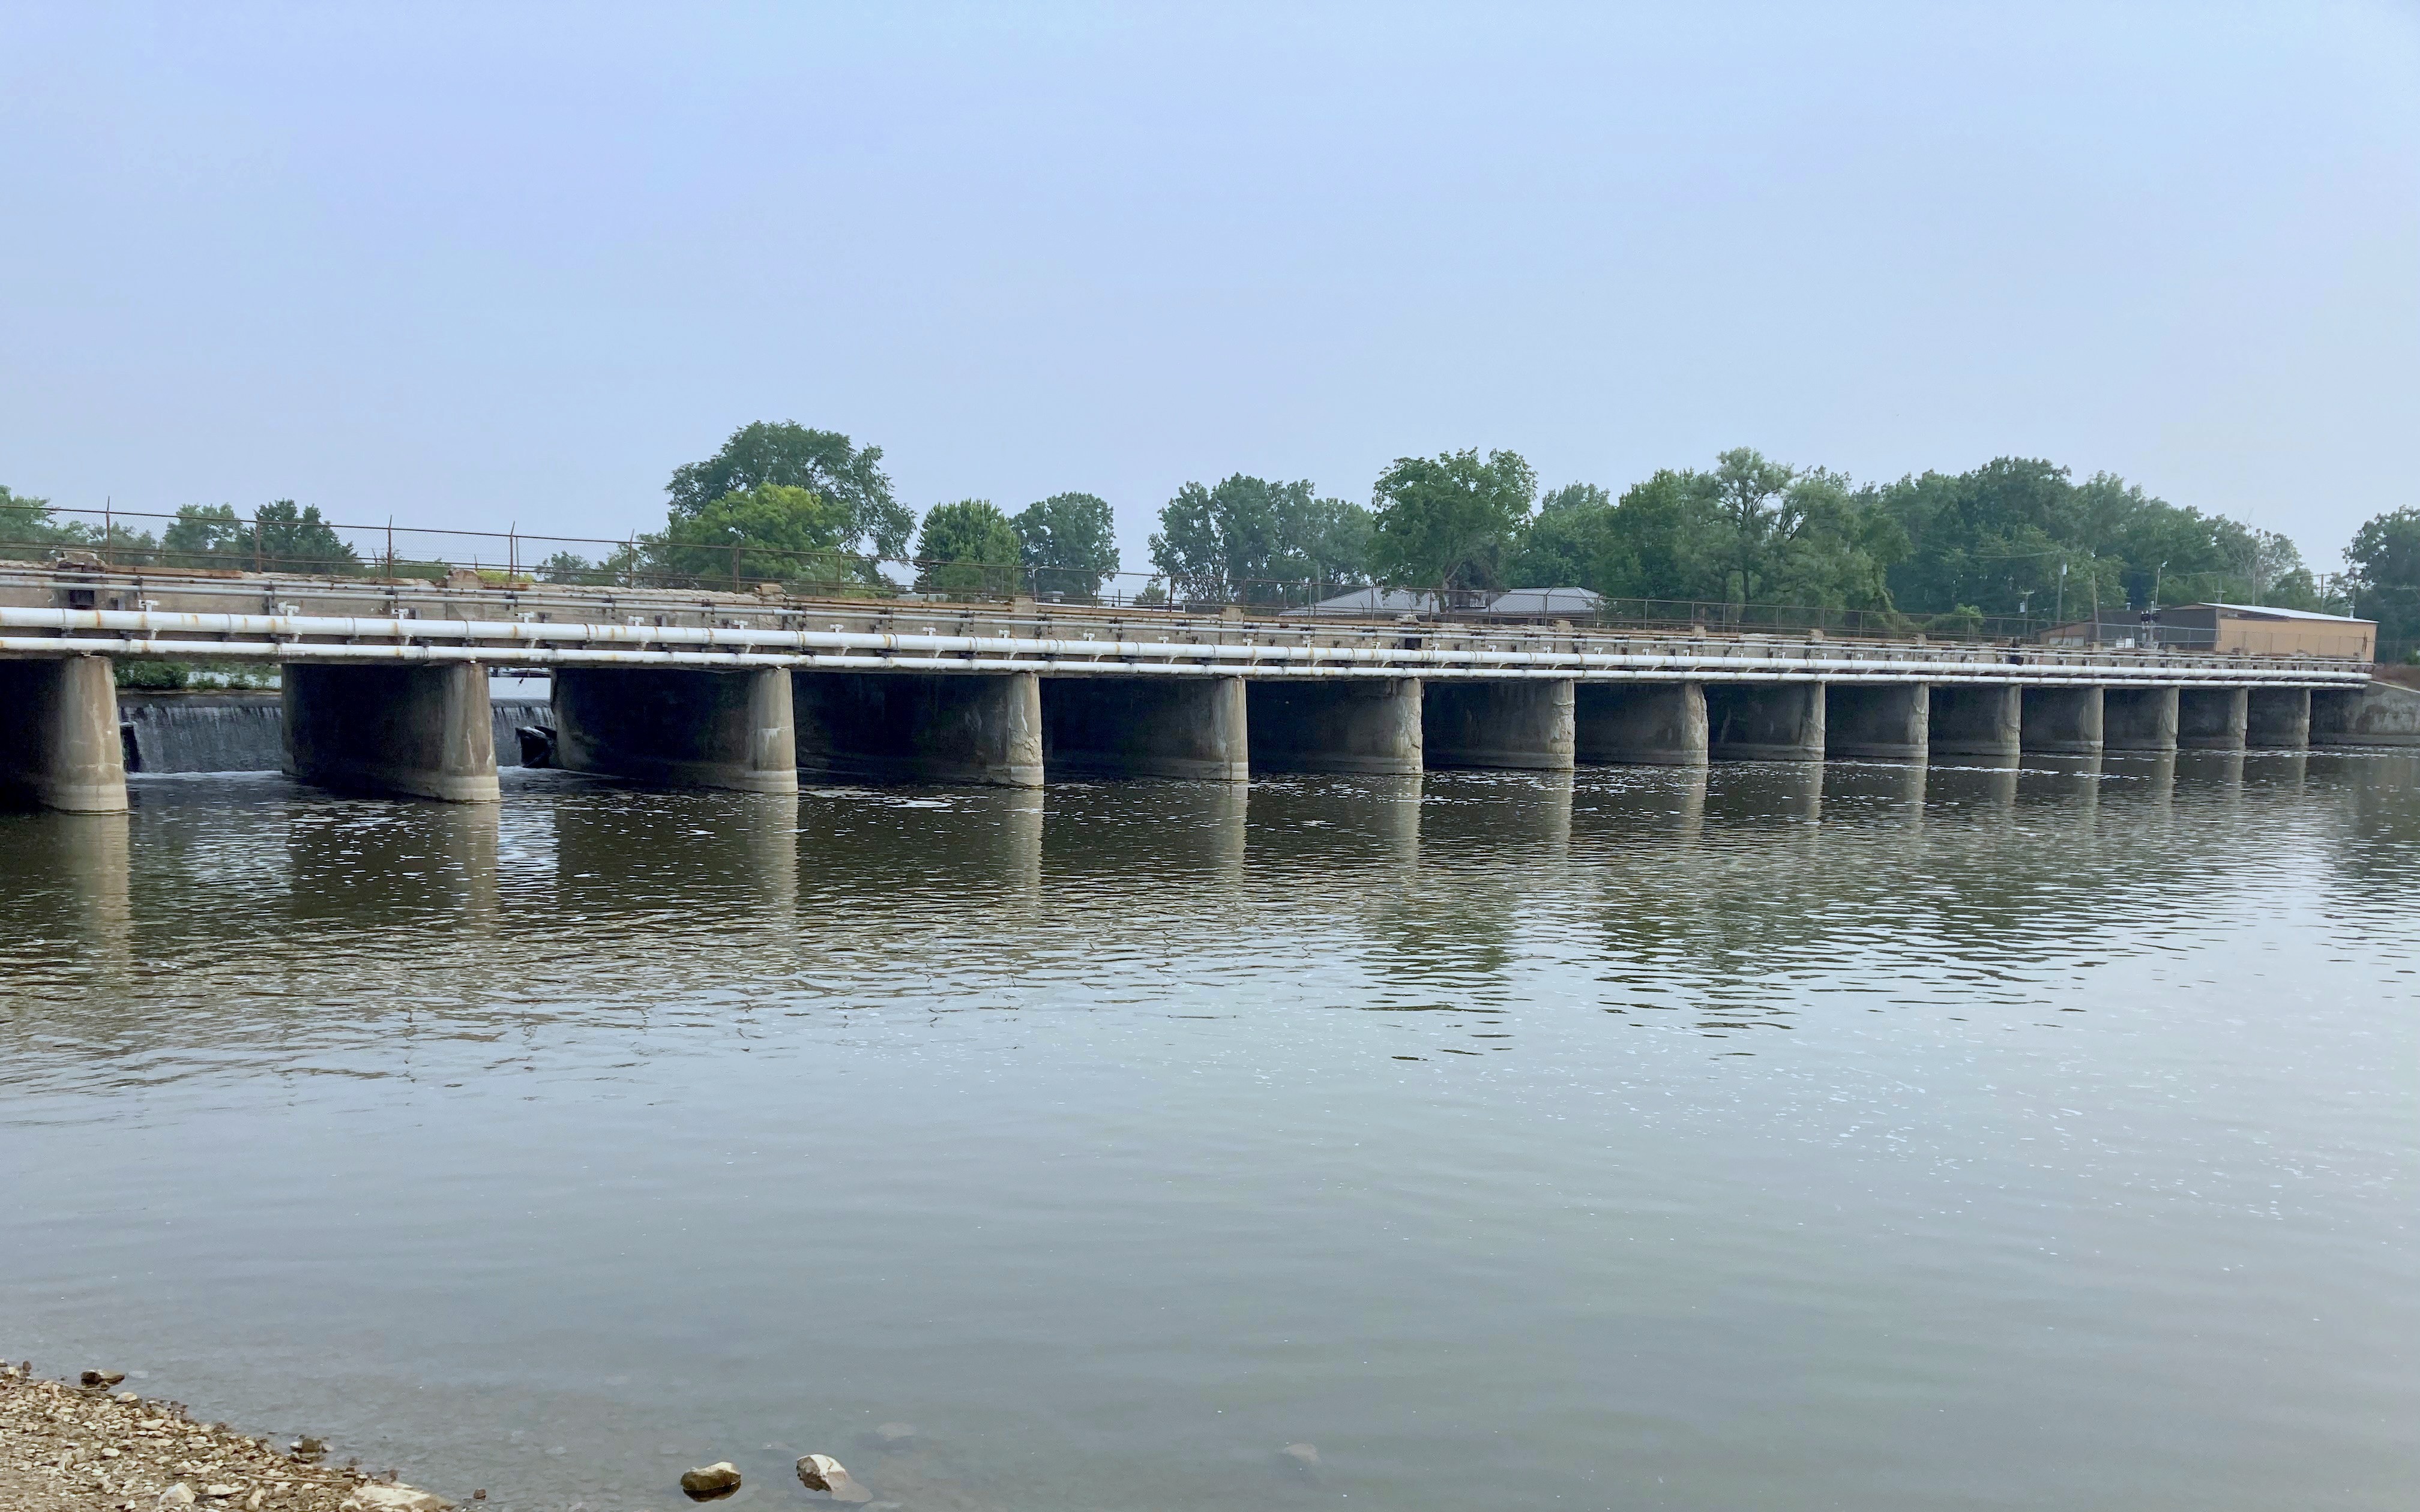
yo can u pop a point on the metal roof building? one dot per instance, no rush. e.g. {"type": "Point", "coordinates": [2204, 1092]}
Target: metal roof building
{"type": "Point", "coordinates": [2263, 630]}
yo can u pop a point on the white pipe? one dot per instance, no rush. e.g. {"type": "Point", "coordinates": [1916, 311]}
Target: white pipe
{"type": "Point", "coordinates": [525, 639]}
{"type": "Point", "coordinates": [844, 661]}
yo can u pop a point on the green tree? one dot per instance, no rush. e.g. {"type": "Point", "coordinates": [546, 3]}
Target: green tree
{"type": "Point", "coordinates": [2266, 560]}
{"type": "Point", "coordinates": [1248, 540]}
{"type": "Point", "coordinates": [1572, 543]}
{"type": "Point", "coordinates": [788, 454]}
{"type": "Point", "coordinates": [2385, 558]}
{"type": "Point", "coordinates": [968, 547]}
{"type": "Point", "coordinates": [281, 536]}
{"type": "Point", "coordinates": [1673, 539]}
{"type": "Point", "coordinates": [1826, 549]}
{"type": "Point", "coordinates": [1752, 496]}
{"type": "Point", "coordinates": [2017, 536]}
{"type": "Point", "coordinates": [1446, 522]}
{"type": "Point", "coordinates": [1069, 541]}
{"type": "Point", "coordinates": [2298, 589]}
{"type": "Point", "coordinates": [568, 568]}
{"type": "Point", "coordinates": [27, 528]}
{"type": "Point", "coordinates": [204, 535]}
{"type": "Point", "coordinates": [1794, 536]}
{"type": "Point", "coordinates": [772, 532]}
{"type": "Point", "coordinates": [298, 540]}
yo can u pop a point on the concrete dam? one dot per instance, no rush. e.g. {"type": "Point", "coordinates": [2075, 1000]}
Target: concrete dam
{"type": "Point", "coordinates": [245, 731]}
{"type": "Point", "coordinates": [385, 690]}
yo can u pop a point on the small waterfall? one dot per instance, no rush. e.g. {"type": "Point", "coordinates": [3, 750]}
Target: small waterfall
{"type": "Point", "coordinates": [202, 732]}
{"type": "Point", "coordinates": [511, 714]}
{"type": "Point", "coordinates": [245, 732]}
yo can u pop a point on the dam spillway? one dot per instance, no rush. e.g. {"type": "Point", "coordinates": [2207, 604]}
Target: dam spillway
{"type": "Point", "coordinates": [385, 690]}
{"type": "Point", "coordinates": [244, 731]}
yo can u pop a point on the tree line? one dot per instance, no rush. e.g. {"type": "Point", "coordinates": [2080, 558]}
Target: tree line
{"type": "Point", "coordinates": [2014, 537]}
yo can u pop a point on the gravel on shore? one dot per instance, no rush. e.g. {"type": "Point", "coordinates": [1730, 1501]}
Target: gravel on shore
{"type": "Point", "coordinates": [75, 1448]}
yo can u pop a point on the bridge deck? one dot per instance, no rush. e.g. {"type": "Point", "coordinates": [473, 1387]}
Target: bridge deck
{"type": "Point", "coordinates": [269, 618]}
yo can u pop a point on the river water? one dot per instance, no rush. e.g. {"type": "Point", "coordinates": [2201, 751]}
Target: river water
{"type": "Point", "coordinates": [1876, 1139]}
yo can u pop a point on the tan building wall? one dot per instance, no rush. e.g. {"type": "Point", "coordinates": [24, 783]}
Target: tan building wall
{"type": "Point", "coordinates": [2247, 635]}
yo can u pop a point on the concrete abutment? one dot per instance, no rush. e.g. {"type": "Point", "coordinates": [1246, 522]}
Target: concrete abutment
{"type": "Point", "coordinates": [59, 745]}
{"type": "Point", "coordinates": [410, 732]}
{"type": "Point", "coordinates": [1519, 726]}
{"type": "Point", "coordinates": [1346, 724]}
{"type": "Point", "coordinates": [672, 727]}
{"type": "Point", "coordinates": [982, 728]}
{"type": "Point", "coordinates": [2380, 713]}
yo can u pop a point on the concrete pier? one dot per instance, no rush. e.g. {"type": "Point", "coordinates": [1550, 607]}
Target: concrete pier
{"type": "Point", "coordinates": [59, 746]}
{"type": "Point", "coordinates": [678, 727]}
{"type": "Point", "coordinates": [2061, 720]}
{"type": "Point", "coordinates": [921, 727]}
{"type": "Point", "coordinates": [1764, 722]}
{"type": "Point", "coordinates": [1145, 727]}
{"type": "Point", "coordinates": [1879, 721]}
{"type": "Point", "coordinates": [2210, 718]}
{"type": "Point", "coordinates": [2277, 719]}
{"type": "Point", "coordinates": [1367, 725]}
{"type": "Point", "coordinates": [2138, 719]}
{"type": "Point", "coordinates": [1524, 726]}
{"type": "Point", "coordinates": [1639, 724]}
{"type": "Point", "coordinates": [1978, 722]}
{"type": "Point", "coordinates": [412, 731]}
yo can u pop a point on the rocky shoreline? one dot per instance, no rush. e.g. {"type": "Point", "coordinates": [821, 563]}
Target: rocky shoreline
{"type": "Point", "coordinates": [83, 1445]}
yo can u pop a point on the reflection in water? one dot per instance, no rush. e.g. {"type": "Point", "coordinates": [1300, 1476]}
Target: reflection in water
{"type": "Point", "coordinates": [2278, 772]}
{"type": "Point", "coordinates": [2218, 773]}
{"type": "Point", "coordinates": [2145, 783]}
{"type": "Point", "coordinates": [1362, 827]}
{"type": "Point", "coordinates": [1767, 793]}
{"type": "Point", "coordinates": [89, 856]}
{"type": "Point", "coordinates": [1880, 792]}
{"type": "Point", "coordinates": [2067, 782]}
{"type": "Point", "coordinates": [1740, 1128]}
{"type": "Point", "coordinates": [430, 866]}
{"type": "Point", "coordinates": [1983, 795]}
{"type": "Point", "coordinates": [1195, 830]}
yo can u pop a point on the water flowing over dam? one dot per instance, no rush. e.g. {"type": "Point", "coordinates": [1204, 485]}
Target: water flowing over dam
{"type": "Point", "coordinates": [244, 732]}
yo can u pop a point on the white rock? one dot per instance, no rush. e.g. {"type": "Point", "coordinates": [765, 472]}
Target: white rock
{"type": "Point", "coordinates": [395, 1499]}
{"type": "Point", "coordinates": [180, 1494]}
{"type": "Point", "coordinates": [822, 1472]}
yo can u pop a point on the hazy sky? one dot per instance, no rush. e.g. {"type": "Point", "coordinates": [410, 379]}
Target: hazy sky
{"type": "Point", "coordinates": [512, 263]}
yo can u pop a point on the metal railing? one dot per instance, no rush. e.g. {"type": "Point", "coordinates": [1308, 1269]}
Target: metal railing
{"type": "Point", "coordinates": [302, 544]}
